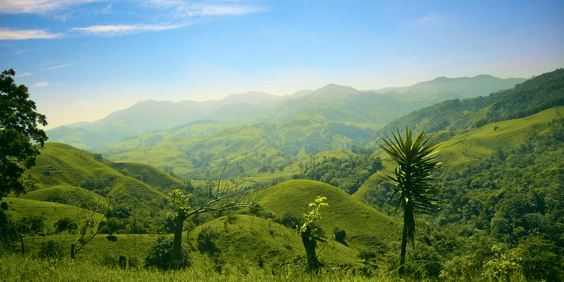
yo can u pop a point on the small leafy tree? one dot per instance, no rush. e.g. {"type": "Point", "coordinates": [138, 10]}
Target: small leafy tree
{"type": "Point", "coordinates": [65, 224]}
{"type": "Point", "coordinates": [308, 233]}
{"type": "Point", "coordinates": [18, 131]}
{"type": "Point", "coordinates": [412, 180]}
{"type": "Point", "coordinates": [51, 250]}
{"type": "Point", "coordinates": [159, 254]}
{"type": "Point", "coordinates": [29, 226]}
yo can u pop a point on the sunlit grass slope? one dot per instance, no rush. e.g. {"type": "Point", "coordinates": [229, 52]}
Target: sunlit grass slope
{"type": "Point", "coordinates": [52, 212]}
{"type": "Point", "coordinates": [464, 146]}
{"type": "Point", "coordinates": [64, 166]}
{"type": "Point", "coordinates": [365, 226]}
{"type": "Point", "coordinates": [71, 195]}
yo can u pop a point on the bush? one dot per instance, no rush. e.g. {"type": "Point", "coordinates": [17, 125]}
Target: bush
{"type": "Point", "coordinates": [159, 254]}
{"type": "Point", "coordinates": [51, 250]}
{"type": "Point", "coordinates": [65, 224]}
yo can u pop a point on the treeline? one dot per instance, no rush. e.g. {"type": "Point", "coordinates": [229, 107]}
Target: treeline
{"type": "Point", "coordinates": [347, 174]}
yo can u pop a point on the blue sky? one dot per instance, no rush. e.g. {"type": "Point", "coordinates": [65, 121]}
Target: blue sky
{"type": "Point", "coordinates": [83, 59]}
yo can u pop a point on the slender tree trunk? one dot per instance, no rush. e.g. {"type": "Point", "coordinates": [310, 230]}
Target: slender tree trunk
{"type": "Point", "coordinates": [23, 247]}
{"type": "Point", "coordinates": [177, 247]}
{"type": "Point", "coordinates": [310, 244]}
{"type": "Point", "coordinates": [403, 247]}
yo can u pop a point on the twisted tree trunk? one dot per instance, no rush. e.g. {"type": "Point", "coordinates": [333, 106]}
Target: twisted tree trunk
{"type": "Point", "coordinates": [310, 244]}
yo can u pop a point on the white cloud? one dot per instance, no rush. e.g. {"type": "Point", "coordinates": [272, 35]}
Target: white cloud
{"type": "Point", "coordinates": [23, 74]}
{"type": "Point", "coordinates": [37, 6]}
{"type": "Point", "coordinates": [111, 30]}
{"type": "Point", "coordinates": [8, 34]}
{"type": "Point", "coordinates": [203, 8]}
{"type": "Point", "coordinates": [228, 10]}
{"type": "Point", "coordinates": [57, 67]}
{"type": "Point", "coordinates": [41, 84]}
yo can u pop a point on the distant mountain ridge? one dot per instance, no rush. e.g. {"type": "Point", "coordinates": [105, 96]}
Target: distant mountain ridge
{"type": "Point", "coordinates": [332, 103]}
{"type": "Point", "coordinates": [466, 87]}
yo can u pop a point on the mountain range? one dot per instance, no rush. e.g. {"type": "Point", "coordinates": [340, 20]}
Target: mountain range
{"type": "Point", "coordinates": [332, 103]}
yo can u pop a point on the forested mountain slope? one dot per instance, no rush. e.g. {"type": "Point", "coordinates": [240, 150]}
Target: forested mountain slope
{"type": "Point", "coordinates": [532, 96]}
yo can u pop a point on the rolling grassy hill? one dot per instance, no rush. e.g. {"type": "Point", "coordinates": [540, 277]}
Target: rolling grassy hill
{"type": "Point", "coordinates": [259, 243]}
{"type": "Point", "coordinates": [365, 226]}
{"type": "Point", "coordinates": [52, 212]}
{"type": "Point", "coordinates": [61, 169]}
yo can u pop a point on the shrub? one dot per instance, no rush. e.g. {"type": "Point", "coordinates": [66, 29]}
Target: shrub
{"type": "Point", "coordinates": [159, 254]}
{"type": "Point", "coordinates": [51, 250]}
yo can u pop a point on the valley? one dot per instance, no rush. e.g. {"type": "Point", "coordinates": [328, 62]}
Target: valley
{"type": "Point", "coordinates": [501, 206]}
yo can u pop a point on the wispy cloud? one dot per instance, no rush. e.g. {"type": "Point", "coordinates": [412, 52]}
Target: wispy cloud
{"type": "Point", "coordinates": [112, 30]}
{"type": "Point", "coordinates": [41, 84]}
{"type": "Point", "coordinates": [9, 34]}
{"type": "Point", "coordinates": [105, 10]}
{"type": "Point", "coordinates": [57, 67]}
{"type": "Point", "coordinates": [204, 8]}
{"type": "Point", "coordinates": [432, 19]}
{"type": "Point", "coordinates": [23, 74]}
{"type": "Point", "coordinates": [37, 6]}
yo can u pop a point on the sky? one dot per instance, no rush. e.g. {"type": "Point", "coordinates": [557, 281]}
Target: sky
{"type": "Point", "coordinates": [84, 59]}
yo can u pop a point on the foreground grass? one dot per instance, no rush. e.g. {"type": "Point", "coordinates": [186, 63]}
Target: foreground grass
{"type": "Point", "coordinates": [18, 268]}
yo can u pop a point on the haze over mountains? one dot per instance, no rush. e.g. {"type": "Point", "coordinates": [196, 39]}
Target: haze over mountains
{"type": "Point", "coordinates": [332, 103]}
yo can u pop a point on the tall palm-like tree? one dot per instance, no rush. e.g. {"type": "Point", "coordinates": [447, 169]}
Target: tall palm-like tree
{"type": "Point", "coordinates": [412, 180]}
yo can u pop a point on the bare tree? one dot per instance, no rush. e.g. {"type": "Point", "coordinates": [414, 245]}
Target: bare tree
{"type": "Point", "coordinates": [226, 197]}
{"type": "Point", "coordinates": [82, 240]}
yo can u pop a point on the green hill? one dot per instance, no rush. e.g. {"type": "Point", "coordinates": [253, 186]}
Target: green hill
{"type": "Point", "coordinates": [365, 226]}
{"type": "Point", "coordinates": [64, 168]}
{"type": "Point", "coordinates": [70, 195]}
{"type": "Point", "coordinates": [248, 241]}
{"type": "Point", "coordinates": [52, 212]}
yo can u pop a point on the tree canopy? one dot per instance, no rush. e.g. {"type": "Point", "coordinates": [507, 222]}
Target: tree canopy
{"type": "Point", "coordinates": [20, 136]}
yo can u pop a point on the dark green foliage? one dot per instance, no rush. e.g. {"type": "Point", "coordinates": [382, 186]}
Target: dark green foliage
{"type": "Point", "coordinates": [347, 174]}
{"type": "Point", "coordinates": [8, 231]}
{"type": "Point", "coordinates": [539, 259]}
{"type": "Point", "coordinates": [31, 225]}
{"type": "Point", "coordinates": [159, 255]}
{"type": "Point", "coordinates": [4, 205]}
{"type": "Point", "coordinates": [51, 250]}
{"type": "Point", "coordinates": [289, 220]}
{"type": "Point", "coordinates": [65, 224]}
{"type": "Point", "coordinates": [18, 131]}
{"type": "Point", "coordinates": [111, 225]}
{"type": "Point", "coordinates": [340, 235]}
